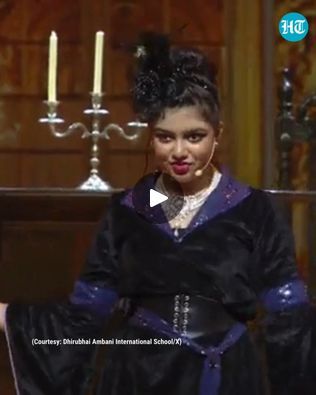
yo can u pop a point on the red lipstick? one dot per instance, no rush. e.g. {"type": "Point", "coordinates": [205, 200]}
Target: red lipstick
{"type": "Point", "coordinates": [180, 167]}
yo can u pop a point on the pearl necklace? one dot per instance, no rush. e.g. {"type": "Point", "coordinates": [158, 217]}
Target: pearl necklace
{"type": "Point", "coordinates": [191, 202]}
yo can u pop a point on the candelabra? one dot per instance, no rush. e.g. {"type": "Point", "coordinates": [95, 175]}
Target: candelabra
{"type": "Point", "coordinates": [94, 182]}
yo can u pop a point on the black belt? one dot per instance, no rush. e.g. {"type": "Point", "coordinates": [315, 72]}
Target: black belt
{"type": "Point", "coordinates": [191, 315]}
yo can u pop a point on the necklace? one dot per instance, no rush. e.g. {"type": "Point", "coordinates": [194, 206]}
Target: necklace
{"type": "Point", "coordinates": [191, 202]}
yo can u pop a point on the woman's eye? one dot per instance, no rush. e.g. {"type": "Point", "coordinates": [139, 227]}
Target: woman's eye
{"type": "Point", "coordinates": [194, 138]}
{"type": "Point", "coordinates": [163, 139]}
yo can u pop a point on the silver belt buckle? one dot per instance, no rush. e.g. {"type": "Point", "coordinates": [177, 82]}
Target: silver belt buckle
{"type": "Point", "coordinates": [181, 310]}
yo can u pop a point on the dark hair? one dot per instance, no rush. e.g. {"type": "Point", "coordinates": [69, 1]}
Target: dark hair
{"type": "Point", "coordinates": [170, 77]}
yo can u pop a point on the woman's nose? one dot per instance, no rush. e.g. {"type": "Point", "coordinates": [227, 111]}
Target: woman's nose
{"type": "Point", "coordinates": [179, 150]}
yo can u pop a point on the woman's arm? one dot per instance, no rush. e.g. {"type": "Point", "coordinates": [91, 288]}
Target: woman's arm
{"type": "Point", "coordinates": [289, 323]}
{"type": "Point", "coordinates": [3, 307]}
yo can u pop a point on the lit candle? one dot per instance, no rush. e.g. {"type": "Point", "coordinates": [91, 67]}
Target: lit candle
{"type": "Point", "coordinates": [52, 67]}
{"type": "Point", "coordinates": [98, 62]}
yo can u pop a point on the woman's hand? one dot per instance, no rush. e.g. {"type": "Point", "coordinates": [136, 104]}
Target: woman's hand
{"type": "Point", "coordinates": [3, 307]}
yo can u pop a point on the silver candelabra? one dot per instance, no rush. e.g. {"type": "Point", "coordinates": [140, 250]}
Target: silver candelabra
{"type": "Point", "coordinates": [94, 182]}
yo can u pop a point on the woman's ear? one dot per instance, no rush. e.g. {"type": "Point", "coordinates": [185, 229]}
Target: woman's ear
{"type": "Point", "coordinates": [220, 130]}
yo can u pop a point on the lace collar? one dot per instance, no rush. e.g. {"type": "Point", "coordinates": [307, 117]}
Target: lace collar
{"type": "Point", "coordinates": [227, 194]}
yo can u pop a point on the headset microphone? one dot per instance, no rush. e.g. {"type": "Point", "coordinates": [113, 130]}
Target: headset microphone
{"type": "Point", "coordinates": [199, 172]}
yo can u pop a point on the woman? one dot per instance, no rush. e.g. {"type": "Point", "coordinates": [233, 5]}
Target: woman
{"type": "Point", "coordinates": [192, 281]}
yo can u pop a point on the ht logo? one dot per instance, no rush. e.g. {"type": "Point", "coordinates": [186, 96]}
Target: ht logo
{"type": "Point", "coordinates": [293, 26]}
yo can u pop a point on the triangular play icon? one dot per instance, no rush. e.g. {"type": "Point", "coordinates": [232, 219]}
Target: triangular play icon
{"type": "Point", "coordinates": [156, 198]}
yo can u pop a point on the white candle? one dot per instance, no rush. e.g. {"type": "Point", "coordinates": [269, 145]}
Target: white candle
{"type": "Point", "coordinates": [98, 62]}
{"type": "Point", "coordinates": [52, 67]}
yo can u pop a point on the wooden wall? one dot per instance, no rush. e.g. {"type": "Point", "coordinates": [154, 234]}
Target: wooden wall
{"type": "Point", "coordinates": [29, 155]}
{"type": "Point", "coordinates": [300, 58]}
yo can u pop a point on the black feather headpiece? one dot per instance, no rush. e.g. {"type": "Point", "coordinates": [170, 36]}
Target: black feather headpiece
{"type": "Point", "coordinates": [169, 76]}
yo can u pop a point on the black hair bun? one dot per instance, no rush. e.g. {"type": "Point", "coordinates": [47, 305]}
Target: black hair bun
{"type": "Point", "coordinates": [171, 76]}
{"type": "Point", "coordinates": [193, 62]}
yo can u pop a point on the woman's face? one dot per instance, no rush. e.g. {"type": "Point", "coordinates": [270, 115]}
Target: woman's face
{"type": "Point", "coordinates": [182, 142]}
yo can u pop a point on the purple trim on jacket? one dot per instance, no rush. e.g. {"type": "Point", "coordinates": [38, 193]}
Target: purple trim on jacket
{"type": "Point", "coordinates": [287, 295]}
{"type": "Point", "coordinates": [228, 193]}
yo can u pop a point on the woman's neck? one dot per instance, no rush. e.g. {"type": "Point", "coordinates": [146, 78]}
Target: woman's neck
{"type": "Point", "coordinates": [197, 185]}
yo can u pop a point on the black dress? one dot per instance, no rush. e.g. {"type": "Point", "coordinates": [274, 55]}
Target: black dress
{"type": "Point", "coordinates": [237, 250]}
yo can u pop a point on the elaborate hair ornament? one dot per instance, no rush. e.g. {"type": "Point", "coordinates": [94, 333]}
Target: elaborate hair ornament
{"type": "Point", "coordinates": [140, 51]}
{"type": "Point", "coordinates": [167, 75]}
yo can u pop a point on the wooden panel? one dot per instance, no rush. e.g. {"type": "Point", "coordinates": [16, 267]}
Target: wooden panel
{"type": "Point", "coordinates": [10, 124]}
{"type": "Point", "coordinates": [51, 205]}
{"type": "Point", "coordinates": [121, 111]}
{"type": "Point", "coordinates": [131, 17]}
{"type": "Point", "coordinates": [35, 58]}
{"type": "Point", "coordinates": [243, 109]}
{"type": "Point", "coordinates": [29, 153]}
{"type": "Point", "coordinates": [10, 170]}
{"type": "Point", "coordinates": [298, 56]}
{"type": "Point", "coordinates": [43, 169]}
{"type": "Point", "coordinates": [123, 168]}
{"type": "Point", "coordinates": [200, 21]}
{"type": "Point", "coordinates": [11, 19]}
{"type": "Point", "coordinates": [20, 129]}
{"type": "Point", "coordinates": [11, 68]}
{"type": "Point", "coordinates": [49, 255]}
{"type": "Point", "coordinates": [53, 170]}
{"type": "Point", "coordinates": [42, 16]}
{"type": "Point", "coordinates": [127, 19]}
{"type": "Point", "coordinates": [38, 135]}
{"type": "Point", "coordinates": [23, 69]}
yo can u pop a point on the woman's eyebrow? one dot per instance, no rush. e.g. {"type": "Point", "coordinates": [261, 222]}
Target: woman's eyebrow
{"type": "Point", "coordinates": [163, 131]}
{"type": "Point", "coordinates": [194, 130]}
{"type": "Point", "coordinates": [188, 131]}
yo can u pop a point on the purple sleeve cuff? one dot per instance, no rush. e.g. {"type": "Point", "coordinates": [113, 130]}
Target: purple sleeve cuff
{"type": "Point", "coordinates": [98, 299]}
{"type": "Point", "coordinates": [288, 295]}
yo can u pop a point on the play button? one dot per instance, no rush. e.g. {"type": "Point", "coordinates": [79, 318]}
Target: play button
{"type": "Point", "coordinates": [157, 197]}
